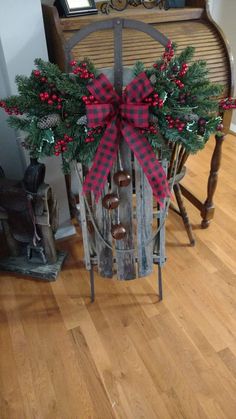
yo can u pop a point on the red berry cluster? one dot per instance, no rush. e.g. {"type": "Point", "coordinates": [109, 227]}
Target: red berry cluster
{"type": "Point", "coordinates": [175, 123]}
{"type": "Point", "coordinates": [169, 52]}
{"type": "Point", "coordinates": [179, 83]}
{"type": "Point", "coordinates": [228, 103]}
{"type": "Point", "coordinates": [90, 136]}
{"type": "Point", "coordinates": [167, 56]}
{"type": "Point", "coordinates": [38, 75]}
{"type": "Point", "coordinates": [13, 110]}
{"type": "Point", "coordinates": [61, 145]}
{"type": "Point", "coordinates": [81, 70]}
{"type": "Point", "coordinates": [183, 70]}
{"type": "Point", "coordinates": [184, 97]}
{"type": "Point", "coordinates": [155, 101]}
{"type": "Point", "coordinates": [151, 129]}
{"type": "Point", "coordinates": [51, 99]}
{"type": "Point", "coordinates": [88, 100]}
{"type": "Point", "coordinates": [89, 139]}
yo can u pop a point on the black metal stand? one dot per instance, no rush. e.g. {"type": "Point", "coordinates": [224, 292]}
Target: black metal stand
{"type": "Point", "coordinates": [92, 291]}
{"type": "Point", "coordinates": [160, 282]}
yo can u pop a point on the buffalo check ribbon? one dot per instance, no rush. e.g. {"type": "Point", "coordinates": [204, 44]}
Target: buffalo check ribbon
{"type": "Point", "coordinates": [122, 117]}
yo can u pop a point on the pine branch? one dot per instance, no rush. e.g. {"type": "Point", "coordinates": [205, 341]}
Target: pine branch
{"type": "Point", "coordinates": [18, 123]}
{"type": "Point", "coordinates": [186, 55]}
{"type": "Point", "coordinates": [51, 70]}
{"type": "Point", "coordinates": [138, 68]}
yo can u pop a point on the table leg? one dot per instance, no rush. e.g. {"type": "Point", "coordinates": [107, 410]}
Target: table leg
{"type": "Point", "coordinates": [208, 208]}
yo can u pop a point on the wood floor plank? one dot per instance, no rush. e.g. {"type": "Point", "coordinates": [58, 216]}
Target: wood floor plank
{"type": "Point", "coordinates": [101, 405]}
{"type": "Point", "coordinates": [128, 356]}
{"type": "Point", "coordinates": [21, 351]}
{"type": "Point", "coordinates": [11, 400]}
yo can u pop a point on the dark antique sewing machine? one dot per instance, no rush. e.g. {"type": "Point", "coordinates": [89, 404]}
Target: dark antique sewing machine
{"type": "Point", "coordinates": [28, 216]}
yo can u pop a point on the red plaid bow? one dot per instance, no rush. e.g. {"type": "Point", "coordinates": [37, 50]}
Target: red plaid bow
{"type": "Point", "coordinates": [122, 116]}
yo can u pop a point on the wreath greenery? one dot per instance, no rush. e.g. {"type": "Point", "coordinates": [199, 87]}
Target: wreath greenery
{"type": "Point", "coordinates": [51, 107]}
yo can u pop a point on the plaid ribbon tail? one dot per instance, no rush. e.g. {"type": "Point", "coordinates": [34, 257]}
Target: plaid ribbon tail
{"type": "Point", "coordinates": [96, 178]}
{"type": "Point", "coordinates": [147, 159]}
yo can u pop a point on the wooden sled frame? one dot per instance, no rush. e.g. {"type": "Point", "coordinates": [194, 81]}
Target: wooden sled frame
{"type": "Point", "coordinates": [96, 252]}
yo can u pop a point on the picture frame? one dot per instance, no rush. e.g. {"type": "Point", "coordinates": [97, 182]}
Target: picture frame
{"type": "Point", "coordinates": [78, 7]}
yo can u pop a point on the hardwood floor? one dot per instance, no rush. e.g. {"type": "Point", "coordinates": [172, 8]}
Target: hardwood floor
{"type": "Point", "coordinates": [127, 355]}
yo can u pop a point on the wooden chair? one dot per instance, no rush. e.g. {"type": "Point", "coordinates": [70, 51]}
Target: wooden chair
{"type": "Point", "coordinates": [134, 255]}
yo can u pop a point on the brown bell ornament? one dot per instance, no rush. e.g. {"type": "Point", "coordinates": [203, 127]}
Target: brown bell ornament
{"type": "Point", "coordinates": [122, 178]}
{"type": "Point", "coordinates": [110, 201]}
{"type": "Point", "coordinates": [118, 231]}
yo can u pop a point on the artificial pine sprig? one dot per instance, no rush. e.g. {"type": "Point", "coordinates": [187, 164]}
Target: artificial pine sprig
{"type": "Point", "coordinates": [189, 112]}
{"type": "Point", "coordinates": [49, 92]}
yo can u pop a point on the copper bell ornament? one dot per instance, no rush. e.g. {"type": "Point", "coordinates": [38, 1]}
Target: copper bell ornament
{"type": "Point", "coordinates": [110, 201]}
{"type": "Point", "coordinates": [118, 231]}
{"type": "Point", "coordinates": [122, 178]}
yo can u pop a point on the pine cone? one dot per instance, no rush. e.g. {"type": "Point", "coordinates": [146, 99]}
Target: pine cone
{"type": "Point", "coordinates": [49, 121]}
{"type": "Point", "coordinates": [82, 120]}
{"type": "Point", "coordinates": [191, 117]}
{"type": "Point", "coordinates": [153, 79]}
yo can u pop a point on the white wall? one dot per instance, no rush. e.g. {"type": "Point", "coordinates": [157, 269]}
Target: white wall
{"type": "Point", "coordinates": [22, 39]}
{"type": "Point", "coordinates": [11, 159]}
{"type": "Point", "coordinates": [224, 13]}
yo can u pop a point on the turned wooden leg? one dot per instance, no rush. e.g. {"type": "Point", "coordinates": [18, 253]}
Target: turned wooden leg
{"type": "Point", "coordinates": [208, 209]}
{"type": "Point", "coordinates": [184, 214]}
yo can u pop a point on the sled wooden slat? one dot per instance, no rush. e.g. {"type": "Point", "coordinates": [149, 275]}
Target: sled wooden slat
{"type": "Point", "coordinates": [126, 261]}
{"type": "Point", "coordinates": [104, 253]}
{"type": "Point", "coordinates": [144, 219]}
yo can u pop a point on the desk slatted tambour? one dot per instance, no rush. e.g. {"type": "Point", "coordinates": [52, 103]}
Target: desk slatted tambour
{"type": "Point", "coordinates": [188, 26]}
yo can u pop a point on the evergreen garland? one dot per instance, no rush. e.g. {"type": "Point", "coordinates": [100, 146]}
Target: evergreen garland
{"type": "Point", "coordinates": [51, 107]}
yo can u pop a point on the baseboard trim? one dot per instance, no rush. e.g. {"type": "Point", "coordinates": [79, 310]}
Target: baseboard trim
{"type": "Point", "coordinates": [232, 129]}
